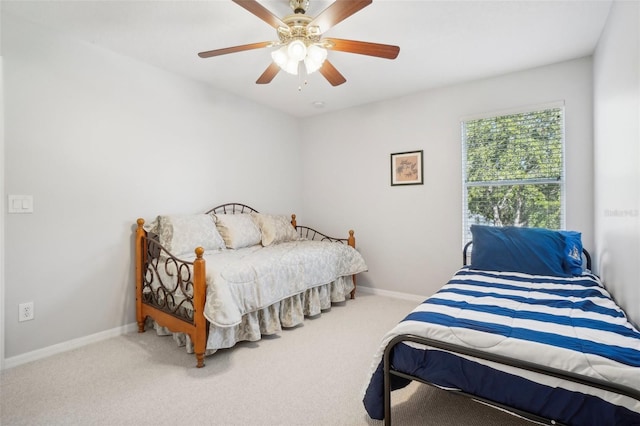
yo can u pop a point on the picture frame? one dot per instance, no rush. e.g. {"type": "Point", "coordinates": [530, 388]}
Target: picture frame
{"type": "Point", "coordinates": [407, 168]}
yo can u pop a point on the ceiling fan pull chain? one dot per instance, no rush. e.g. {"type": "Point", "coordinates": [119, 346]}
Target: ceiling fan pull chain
{"type": "Point", "coordinates": [302, 77]}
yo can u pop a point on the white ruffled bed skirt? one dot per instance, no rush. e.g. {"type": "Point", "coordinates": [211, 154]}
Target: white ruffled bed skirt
{"type": "Point", "coordinates": [286, 313]}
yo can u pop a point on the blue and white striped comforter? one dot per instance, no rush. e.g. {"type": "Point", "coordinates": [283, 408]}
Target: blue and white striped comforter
{"type": "Point", "coordinates": [571, 324]}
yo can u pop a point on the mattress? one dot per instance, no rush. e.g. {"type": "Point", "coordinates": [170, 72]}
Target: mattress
{"type": "Point", "coordinates": [570, 324]}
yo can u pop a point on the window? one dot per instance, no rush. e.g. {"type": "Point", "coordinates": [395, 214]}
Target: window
{"type": "Point", "coordinates": [513, 170]}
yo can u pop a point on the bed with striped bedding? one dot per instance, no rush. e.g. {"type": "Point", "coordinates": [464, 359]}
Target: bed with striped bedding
{"type": "Point", "coordinates": [555, 349]}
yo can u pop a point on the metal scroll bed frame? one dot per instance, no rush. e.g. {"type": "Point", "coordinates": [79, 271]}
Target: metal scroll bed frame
{"type": "Point", "coordinates": [524, 365]}
{"type": "Point", "coordinates": [178, 305]}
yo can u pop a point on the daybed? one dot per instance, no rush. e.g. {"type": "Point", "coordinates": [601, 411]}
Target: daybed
{"type": "Point", "coordinates": [232, 274]}
{"type": "Point", "coordinates": [525, 327]}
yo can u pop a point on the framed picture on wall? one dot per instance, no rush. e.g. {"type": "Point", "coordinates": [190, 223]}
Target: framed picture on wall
{"type": "Point", "coordinates": [406, 168]}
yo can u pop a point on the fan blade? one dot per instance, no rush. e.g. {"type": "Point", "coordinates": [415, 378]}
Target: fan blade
{"type": "Point", "coordinates": [338, 12]}
{"type": "Point", "coordinates": [331, 74]}
{"type": "Point", "coordinates": [364, 48]}
{"type": "Point", "coordinates": [268, 74]}
{"type": "Point", "coordinates": [261, 12]}
{"type": "Point", "coordinates": [234, 49]}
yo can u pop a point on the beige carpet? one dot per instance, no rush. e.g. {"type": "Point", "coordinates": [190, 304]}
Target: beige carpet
{"type": "Point", "coordinates": [311, 375]}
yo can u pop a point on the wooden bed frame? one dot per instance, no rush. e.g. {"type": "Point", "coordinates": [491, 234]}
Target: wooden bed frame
{"type": "Point", "coordinates": [186, 314]}
{"type": "Point", "coordinates": [388, 370]}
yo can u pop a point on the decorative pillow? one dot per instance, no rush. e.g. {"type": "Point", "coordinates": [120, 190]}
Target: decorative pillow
{"type": "Point", "coordinates": [535, 251]}
{"type": "Point", "coordinates": [572, 252]}
{"type": "Point", "coordinates": [181, 234]}
{"type": "Point", "coordinates": [238, 230]}
{"type": "Point", "coordinates": [274, 228]}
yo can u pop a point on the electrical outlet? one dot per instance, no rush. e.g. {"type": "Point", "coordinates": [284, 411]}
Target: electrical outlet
{"type": "Point", "coordinates": [25, 311]}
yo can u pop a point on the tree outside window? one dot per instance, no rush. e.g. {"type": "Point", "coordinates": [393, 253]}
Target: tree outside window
{"type": "Point", "coordinates": [514, 170]}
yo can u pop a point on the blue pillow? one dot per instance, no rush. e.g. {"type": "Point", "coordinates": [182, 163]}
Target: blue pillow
{"type": "Point", "coordinates": [534, 251]}
{"type": "Point", "coordinates": [572, 252]}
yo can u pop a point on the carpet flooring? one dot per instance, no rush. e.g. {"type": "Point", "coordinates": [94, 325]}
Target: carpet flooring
{"type": "Point", "coordinates": [313, 374]}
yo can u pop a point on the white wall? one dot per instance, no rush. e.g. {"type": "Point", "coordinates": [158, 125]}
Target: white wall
{"type": "Point", "coordinates": [2, 208]}
{"type": "Point", "coordinates": [411, 237]}
{"type": "Point", "coordinates": [100, 139]}
{"type": "Point", "coordinates": [617, 155]}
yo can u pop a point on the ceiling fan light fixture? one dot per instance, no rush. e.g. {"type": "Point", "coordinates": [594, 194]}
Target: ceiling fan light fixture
{"type": "Point", "coordinates": [297, 50]}
{"type": "Point", "coordinates": [280, 56]}
{"type": "Point", "coordinates": [284, 61]}
{"type": "Point", "coordinates": [316, 55]}
{"type": "Point", "coordinates": [292, 66]}
{"type": "Point", "coordinates": [289, 56]}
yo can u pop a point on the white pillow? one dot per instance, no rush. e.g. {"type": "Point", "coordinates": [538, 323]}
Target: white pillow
{"type": "Point", "coordinates": [181, 234]}
{"type": "Point", "coordinates": [237, 230]}
{"type": "Point", "coordinates": [275, 228]}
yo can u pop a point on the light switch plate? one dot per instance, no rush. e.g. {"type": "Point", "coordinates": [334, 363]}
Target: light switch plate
{"type": "Point", "coordinates": [20, 204]}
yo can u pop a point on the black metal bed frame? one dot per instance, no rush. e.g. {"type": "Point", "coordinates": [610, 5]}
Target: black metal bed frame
{"type": "Point", "coordinates": [513, 362]}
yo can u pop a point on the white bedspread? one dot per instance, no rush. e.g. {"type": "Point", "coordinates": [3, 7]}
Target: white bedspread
{"type": "Point", "coordinates": [249, 279]}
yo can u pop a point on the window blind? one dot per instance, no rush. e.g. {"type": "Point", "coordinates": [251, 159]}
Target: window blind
{"type": "Point", "coordinates": [513, 170]}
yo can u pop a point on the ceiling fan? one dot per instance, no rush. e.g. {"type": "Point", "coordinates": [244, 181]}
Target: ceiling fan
{"type": "Point", "coordinates": [300, 42]}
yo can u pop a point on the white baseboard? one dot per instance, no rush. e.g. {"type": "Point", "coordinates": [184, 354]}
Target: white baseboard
{"type": "Point", "coordinates": [14, 361]}
{"type": "Point", "coordinates": [394, 294]}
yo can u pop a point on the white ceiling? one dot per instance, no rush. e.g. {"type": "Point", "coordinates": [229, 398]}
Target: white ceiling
{"type": "Point", "coordinates": [441, 42]}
